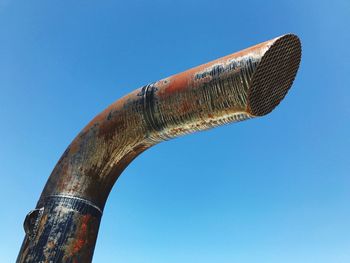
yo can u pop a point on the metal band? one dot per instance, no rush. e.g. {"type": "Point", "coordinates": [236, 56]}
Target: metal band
{"type": "Point", "coordinates": [149, 108]}
{"type": "Point", "coordinates": [77, 203]}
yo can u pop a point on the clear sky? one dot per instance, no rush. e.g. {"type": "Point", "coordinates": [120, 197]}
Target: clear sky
{"type": "Point", "coordinates": [274, 189]}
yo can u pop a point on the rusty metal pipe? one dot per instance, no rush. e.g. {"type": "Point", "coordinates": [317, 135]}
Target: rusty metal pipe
{"type": "Point", "coordinates": [247, 84]}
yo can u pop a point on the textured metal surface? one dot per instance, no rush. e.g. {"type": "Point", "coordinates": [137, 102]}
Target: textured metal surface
{"type": "Point", "coordinates": [250, 83]}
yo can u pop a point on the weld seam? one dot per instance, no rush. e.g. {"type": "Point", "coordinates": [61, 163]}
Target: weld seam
{"type": "Point", "coordinates": [75, 198]}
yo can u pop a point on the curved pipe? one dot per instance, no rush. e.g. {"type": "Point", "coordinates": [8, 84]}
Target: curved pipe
{"type": "Point", "coordinates": [250, 83]}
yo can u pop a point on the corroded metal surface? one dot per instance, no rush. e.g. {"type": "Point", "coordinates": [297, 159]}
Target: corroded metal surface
{"type": "Point", "coordinates": [250, 83]}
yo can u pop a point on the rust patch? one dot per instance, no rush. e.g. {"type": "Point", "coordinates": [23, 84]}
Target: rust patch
{"type": "Point", "coordinates": [219, 92]}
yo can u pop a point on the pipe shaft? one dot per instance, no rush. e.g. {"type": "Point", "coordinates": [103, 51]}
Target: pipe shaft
{"type": "Point", "coordinates": [250, 83]}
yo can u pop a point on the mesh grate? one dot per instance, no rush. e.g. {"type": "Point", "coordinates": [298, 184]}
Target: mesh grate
{"type": "Point", "coordinates": [274, 75]}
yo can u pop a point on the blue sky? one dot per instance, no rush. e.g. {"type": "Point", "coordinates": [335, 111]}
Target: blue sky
{"type": "Point", "coordinates": [274, 189]}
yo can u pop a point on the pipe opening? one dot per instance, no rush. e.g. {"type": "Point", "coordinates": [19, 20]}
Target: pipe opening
{"type": "Point", "coordinates": [274, 75]}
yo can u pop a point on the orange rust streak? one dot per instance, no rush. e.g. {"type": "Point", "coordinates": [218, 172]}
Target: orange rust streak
{"type": "Point", "coordinates": [180, 81]}
{"type": "Point", "coordinates": [117, 105]}
{"type": "Point", "coordinates": [81, 235]}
